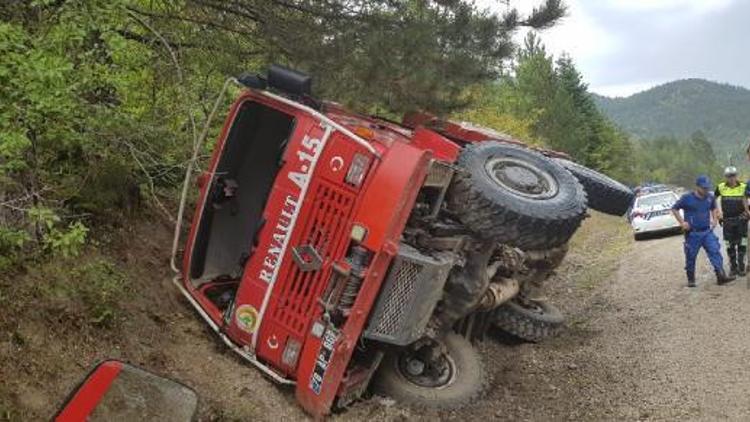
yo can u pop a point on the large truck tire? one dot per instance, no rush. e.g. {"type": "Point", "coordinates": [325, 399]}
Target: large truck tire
{"type": "Point", "coordinates": [516, 196]}
{"type": "Point", "coordinates": [531, 320]}
{"type": "Point", "coordinates": [460, 382]}
{"type": "Point", "coordinates": [604, 193]}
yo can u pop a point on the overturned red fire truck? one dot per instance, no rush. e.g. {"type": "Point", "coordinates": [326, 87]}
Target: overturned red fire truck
{"type": "Point", "coordinates": [341, 252]}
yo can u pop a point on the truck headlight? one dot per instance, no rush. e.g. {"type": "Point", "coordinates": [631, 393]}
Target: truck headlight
{"type": "Point", "coordinates": [357, 170]}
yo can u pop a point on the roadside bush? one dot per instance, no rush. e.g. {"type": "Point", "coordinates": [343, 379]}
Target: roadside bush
{"type": "Point", "coordinates": [57, 240]}
{"type": "Point", "coordinates": [100, 286]}
{"type": "Point", "coordinates": [11, 245]}
{"type": "Point", "coordinates": [87, 293]}
{"type": "Point", "coordinates": [491, 106]}
{"type": "Point", "coordinates": [82, 120]}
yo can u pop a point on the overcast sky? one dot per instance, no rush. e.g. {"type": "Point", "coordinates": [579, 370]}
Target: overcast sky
{"type": "Point", "coordinates": [626, 46]}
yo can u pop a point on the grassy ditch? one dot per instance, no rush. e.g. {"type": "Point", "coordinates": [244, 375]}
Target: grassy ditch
{"type": "Point", "coordinates": [595, 253]}
{"type": "Point", "coordinates": [595, 250]}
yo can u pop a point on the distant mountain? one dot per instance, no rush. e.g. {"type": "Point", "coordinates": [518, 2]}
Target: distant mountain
{"type": "Point", "coordinates": [682, 107]}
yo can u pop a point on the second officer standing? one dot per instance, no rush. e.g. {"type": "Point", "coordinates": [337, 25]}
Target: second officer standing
{"type": "Point", "coordinates": [730, 194]}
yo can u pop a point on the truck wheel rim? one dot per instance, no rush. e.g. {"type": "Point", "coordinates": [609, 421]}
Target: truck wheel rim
{"type": "Point", "coordinates": [521, 178]}
{"type": "Point", "coordinates": [440, 373]}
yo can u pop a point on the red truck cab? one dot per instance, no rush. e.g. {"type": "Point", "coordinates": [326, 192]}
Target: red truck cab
{"type": "Point", "coordinates": [300, 208]}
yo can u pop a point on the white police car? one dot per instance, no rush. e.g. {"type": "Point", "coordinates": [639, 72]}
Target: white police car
{"type": "Point", "coordinates": [652, 214]}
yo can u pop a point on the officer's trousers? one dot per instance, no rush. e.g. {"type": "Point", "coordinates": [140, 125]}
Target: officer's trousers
{"type": "Point", "coordinates": [694, 241]}
{"type": "Point", "coordinates": [735, 237]}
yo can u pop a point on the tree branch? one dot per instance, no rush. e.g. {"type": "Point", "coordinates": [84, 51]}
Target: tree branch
{"type": "Point", "coordinates": [150, 41]}
{"type": "Point", "coordinates": [182, 18]}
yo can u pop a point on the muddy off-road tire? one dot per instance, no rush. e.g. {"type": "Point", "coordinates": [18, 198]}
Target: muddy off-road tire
{"type": "Point", "coordinates": [516, 196]}
{"type": "Point", "coordinates": [536, 323]}
{"type": "Point", "coordinates": [464, 383]}
{"type": "Point", "coordinates": [604, 193]}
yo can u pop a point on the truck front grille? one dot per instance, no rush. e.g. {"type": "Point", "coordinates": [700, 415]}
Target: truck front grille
{"type": "Point", "coordinates": [327, 230]}
{"type": "Point", "coordinates": [397, 300]}
{"type": "Point", "coordinates": [410, 291]}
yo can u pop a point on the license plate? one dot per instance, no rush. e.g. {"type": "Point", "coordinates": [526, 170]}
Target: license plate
{"type": "Point", "coordinates": [656, 214]}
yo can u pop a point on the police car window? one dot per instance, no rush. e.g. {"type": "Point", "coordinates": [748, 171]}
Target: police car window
{"type": "Point", "coordinates": [653, 200]}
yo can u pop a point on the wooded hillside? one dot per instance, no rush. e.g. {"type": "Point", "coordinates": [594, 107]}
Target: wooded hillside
{"type": "Point", "coordinates": [680, 108]}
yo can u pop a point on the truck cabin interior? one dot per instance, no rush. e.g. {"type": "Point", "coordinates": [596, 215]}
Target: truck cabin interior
{"type": "Point", "coordinates": [233, 212]}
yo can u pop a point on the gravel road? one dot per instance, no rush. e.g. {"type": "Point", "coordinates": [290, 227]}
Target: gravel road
{"type": "Point", "coordinates": [697, 355]}
{"type": "Point", "coordinates": [660, 350]}
{"type": "Point", "coordinates": [643, 347]}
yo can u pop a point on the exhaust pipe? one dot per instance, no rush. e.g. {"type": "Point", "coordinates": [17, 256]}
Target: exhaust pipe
{"type": "Point", "coordinates": [499, 292]}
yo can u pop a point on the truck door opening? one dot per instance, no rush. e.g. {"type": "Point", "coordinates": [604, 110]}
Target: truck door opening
{"type": "Point", "coordinates": [233, 212]}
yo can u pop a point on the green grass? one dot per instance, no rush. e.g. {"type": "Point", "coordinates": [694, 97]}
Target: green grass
{"type": "Point", "coordinates": [88, 291]}
{"type": "Point", "coordinates": [596, 249]}
{"type": "Point", "coordinates": [595, 254]}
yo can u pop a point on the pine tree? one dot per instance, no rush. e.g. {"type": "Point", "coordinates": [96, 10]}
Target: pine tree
{"type": "Point", "coordinates": [381, 54]}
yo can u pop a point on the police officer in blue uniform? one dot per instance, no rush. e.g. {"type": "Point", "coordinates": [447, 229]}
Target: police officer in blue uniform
{"type": "Point", "coordinates": [699, 208]}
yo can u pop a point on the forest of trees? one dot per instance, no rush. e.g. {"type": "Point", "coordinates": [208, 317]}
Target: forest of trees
{"type": "Point", "coordinates": [103, 99]}
{"type": "Point", "coordinates": [676, 161]}
{"type": "Point", "coordinates": [544, 100]}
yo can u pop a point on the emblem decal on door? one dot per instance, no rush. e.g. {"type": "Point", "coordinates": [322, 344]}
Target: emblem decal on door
{"type": "Point", "coordinates": [337, 163]}
{"type": "Point", "coordinates": [247, 318]}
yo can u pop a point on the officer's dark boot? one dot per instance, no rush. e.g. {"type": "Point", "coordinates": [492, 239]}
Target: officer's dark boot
{"type": "Point", "coordinates": [741, 252]}
{"type": "Point", "coordinates": [722, 278]}
{"type": "Point", "coordinates": [691, 279]}
{"type": "Point", "coordinates": [732, 254]}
